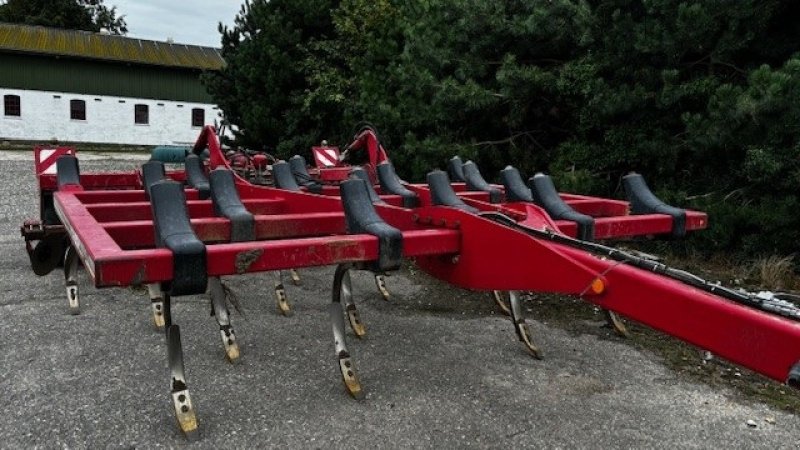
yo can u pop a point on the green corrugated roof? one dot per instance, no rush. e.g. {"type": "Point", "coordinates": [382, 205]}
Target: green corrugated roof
{"type": "Point", "coordinates": [84, 44]}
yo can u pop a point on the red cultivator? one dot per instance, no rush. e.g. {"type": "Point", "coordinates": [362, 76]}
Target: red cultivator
{"type": "Point", "coordinates": [180, 232]}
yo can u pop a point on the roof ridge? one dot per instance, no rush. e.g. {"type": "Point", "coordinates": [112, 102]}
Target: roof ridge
{"type": "Point", "coordinates": [87, 44]}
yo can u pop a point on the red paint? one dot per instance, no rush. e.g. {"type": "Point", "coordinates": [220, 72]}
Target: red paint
{"type": "Point", "coordinates": [113, 232]}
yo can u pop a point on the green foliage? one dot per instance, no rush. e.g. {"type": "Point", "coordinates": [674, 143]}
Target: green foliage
{"type": "Point", "coordinates": [701, 97]}
{"type": "Point", "coordinates": [88, 15]}
{"type": "Point", "coordinates": [263, 87]}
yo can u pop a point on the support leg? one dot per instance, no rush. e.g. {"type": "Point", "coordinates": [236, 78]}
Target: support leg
{"type": "Point", "coordinates": [346, 367]}
{"type": "Point", "coordinates": [221, 313]}
{"type": "Point", "coordinates": [380, 282]}
{"type": "Point", "coordinates": [500, 302]}
{"type": "Point", "coordinates": [157, 305]}
{"type": "Point", "coordinates": [346, 292]}
{"type": "Point", "coordinates": [181, 401]}
{"type": "Point", "coordinates": [295, 277]}
{"type": "Point", "coordinates": [520, 326]}
{"type": "Point", "coordinates": [71, 279]}
{"type": "Point", "coordinates": [280, 296]}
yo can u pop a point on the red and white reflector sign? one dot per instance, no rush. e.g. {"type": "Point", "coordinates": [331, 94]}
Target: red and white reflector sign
{"type": "Point", "coordinates": [325, 157]}
{"type": "Point", "coordinates": [45, 158]}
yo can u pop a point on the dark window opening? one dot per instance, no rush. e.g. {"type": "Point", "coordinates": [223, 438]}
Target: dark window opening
{"type": "Point", "coordinates": [77, 110]}
{"type": "Point", "coordinates": [198, 117]}
{"type": "Point", "coordinates": [141, 114]}
{"type": "Point", "coordinates": [12, 105]}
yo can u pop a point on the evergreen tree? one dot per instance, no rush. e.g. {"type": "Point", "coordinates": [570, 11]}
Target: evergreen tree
{"type": "Point", "coordinates": [701, 97]}
{"type": "Point", "coordinates": [88, 15]}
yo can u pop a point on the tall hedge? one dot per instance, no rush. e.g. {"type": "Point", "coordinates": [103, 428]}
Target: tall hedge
{"type": "Point", "coordinates": [701, 97]}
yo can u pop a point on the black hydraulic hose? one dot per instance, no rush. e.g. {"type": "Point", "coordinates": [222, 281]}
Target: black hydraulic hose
{"type": "Point", "coordinates": [776, 304]}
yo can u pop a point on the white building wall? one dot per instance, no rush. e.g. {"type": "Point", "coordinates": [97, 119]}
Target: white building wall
{"type": "Point", "coordinates": [46, 116]}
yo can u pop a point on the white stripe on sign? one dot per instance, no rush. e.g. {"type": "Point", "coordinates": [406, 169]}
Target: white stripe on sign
{"type": "Point", "coordinates": [326, 159]}
{"type": "Point", "coordinates": [43, 155]}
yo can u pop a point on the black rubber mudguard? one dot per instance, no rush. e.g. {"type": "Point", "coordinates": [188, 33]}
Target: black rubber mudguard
{"type": "Point", "coordinates": [390, 184]}
{"type": "Point", "coordinates": [174, 231]}
{"type": "Point", "coordinates": [67, 171]}
{"type": "Point", "coordinates": [545, 195]}
{"type": "Point", "coordinates": [455, 169]}
{"type": "Point", "coordinates": [152, 173]}
{"type": "Point", "coordinates": [516, 191]}
{"type": "Point", "coordinates": [793, 379]}
{"type": "Point", "coordinates": [227, 203]}
{"type": "Point", "coordinates": [475, 182]}
{"type": "Point", "coordinates": [298, 165]}
{"type": "Point", "coordinates": [360, 173]}
{"type": "Point", "coordinates": [361, 217]}
{"type": "Point", "coordinates": [196, 176]}
{"type": "Point", "coordinates": [283, 178]}
{"type": "Point", "coordinates": [643, 201]}
{"type": "Point", "coordinates": [442, 193]}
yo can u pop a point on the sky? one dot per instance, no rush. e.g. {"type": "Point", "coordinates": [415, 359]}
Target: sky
{"type": "Point", "coordinates": [185, 21]}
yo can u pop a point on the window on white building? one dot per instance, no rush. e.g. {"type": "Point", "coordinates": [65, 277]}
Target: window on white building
{"type": "Point", "coordinates": [141, 114]}
{"type": "Point", "coordinates": [198, 117]}
{"type": "Point", "coordinates": [77, 110]}
{"type": "Point", "coordinates": [12, 106]}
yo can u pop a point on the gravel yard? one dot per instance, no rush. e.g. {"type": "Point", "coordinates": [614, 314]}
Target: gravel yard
{"type": "Point", "coordinates": [442, 368]}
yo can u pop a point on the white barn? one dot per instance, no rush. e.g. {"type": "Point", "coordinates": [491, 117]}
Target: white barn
{"type": "Point", "coordinates": [76, 86]}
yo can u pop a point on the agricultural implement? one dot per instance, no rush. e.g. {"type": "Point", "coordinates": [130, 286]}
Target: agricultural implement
{"type": "Point", "coordinates": [179, 232]}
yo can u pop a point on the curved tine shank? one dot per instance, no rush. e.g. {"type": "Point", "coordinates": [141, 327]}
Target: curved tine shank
{"type": "Point", "coordinates": [346, 366]}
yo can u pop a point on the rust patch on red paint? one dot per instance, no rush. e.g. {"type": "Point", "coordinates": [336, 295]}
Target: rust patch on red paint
{"type": "Point", "coordinates": [246, 258]}
{"type": "Point", "coordinates": [346, 250]}
{"type": "Point", "coordinates": [216, 232]}
{"type": "Point", "coordinates": [138, 277]}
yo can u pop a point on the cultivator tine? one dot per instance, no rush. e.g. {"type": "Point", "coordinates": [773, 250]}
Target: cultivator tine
{"type": "Point", "coordinates": [181, 402]}
{"type": "Point", "coordinates": [500, 302]}
{"type": "Point", "coordinates": [346, 292]}
{"type": "Point", "coordinates": [295, 277]}
{"type": "Point", "coordinates": [280, 296]}
{"type": "Point", "coordinates": [520, 326]}
{"type": "Point", "coordinates": [71, 279]}
{"type": "Point", "coordinates": [346, 367]}
{"type": "Point", "coordinates": [615, 323]}
{"type": "Point", "coordinates": [221, 313]}
{"type": "Point", "coordinates": [157, 305]}
{"type": "Point", "coordinates": [380, 282]}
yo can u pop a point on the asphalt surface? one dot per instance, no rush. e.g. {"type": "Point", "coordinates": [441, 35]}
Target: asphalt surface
{"type": "Point", "coordinates": [440, 367]}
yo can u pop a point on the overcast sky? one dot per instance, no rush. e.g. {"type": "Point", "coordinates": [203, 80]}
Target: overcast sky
{"type": "Point", "coordinates": [185, 21]}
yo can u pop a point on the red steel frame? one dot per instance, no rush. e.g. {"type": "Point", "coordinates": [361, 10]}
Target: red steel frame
{"type": "Point", "coordinates": [113, 233]}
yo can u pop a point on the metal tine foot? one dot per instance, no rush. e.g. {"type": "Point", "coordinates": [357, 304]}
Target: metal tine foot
{"type": "Point", "coordinates": [346, 366]}
{"type": "Point", "coordinates": [500, 302]}
{"type": "Point", "coordinates": [181, 401]}
{"type": "Point", "coordinates": [71, 279]}
{"type": "Point", "coordinates": [295, 277]}
{"type": "Point", "coordinates": [614, 321]}
{"type": "Point", "coordinates": [520, 326]}
{"type": "Point", "coordinates": [221, 313]}
{"type": "Point", "coordinates": [344, 286]}
{"type": "Point", "coordinates": [380, 282]}
{"type": "Point", "coordinates": [280, 296]}
{"type": "Point", "coordinates": [157, 305]}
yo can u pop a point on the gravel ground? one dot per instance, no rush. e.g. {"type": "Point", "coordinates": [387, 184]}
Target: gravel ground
{"type": "Point", "coordinates": [441, 369]}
